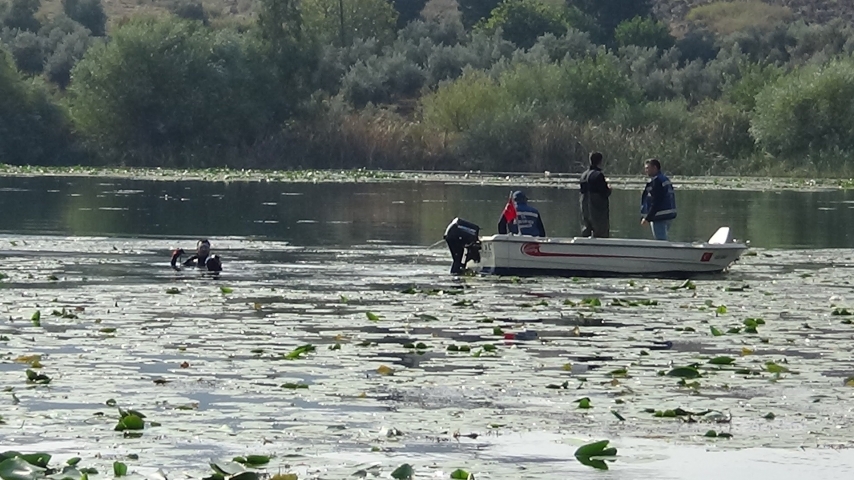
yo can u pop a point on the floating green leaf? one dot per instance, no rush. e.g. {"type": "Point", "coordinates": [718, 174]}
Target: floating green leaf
{"type": "Point", "coordinates": [119, 469]}
{"type": "Point", "coordinates": [73, 461]}
{"type": "Point", "coordinates": [563, 386]}
{"type": "Point", "coordinates": [253, 460]}
{"type": "Point", "coordinates": [489, 348]}
{"type": "Point", "coordinates": [591, 302]}
{"type": "Point", "coordinates": [110, 403]}
{"type": "Point", "coordinates": [16, 468]}
{"type": "Point", "coordinates": [591, 449]}
{"type": "Point", "coordinates": [130, 422]}
{"type": "Point", "coordinates": [711, 434]}
{"type": "Point", "coordinates": [403, 472]}
{"type": "Point", "coordinates": [372, 316]}
{"type": "Point", "coordinates": [226, 290]}
{"type": "Point", "coordinates": [583, 402]}
{"type": "Point", "coordinates": [715, 331]}
{"type": "Point", "coordinates": [722, 361]}
{"type": "Point", "coordinates": [294, 386]}
{"type": "Point", "coordinates": [774, 368]}
{"type": "Point", "coordinates": [684, 372]}
{"type": "Point", "coordinates": [840, 311]}
{"type": "Point", "coordinates": [173, 291]}
{"type": "Point", "coordinates": [721, 310]}
{"type": "Point", "coordinates": [769, 416]}
{"type": "Point", "coordinates": [460, 474]}
{"type": "Point", "coordinates": [591, 454]}
{"type": "Point", "coordinates": [299, 351]}
{"type": "Point", "coordinates": [36, 318]}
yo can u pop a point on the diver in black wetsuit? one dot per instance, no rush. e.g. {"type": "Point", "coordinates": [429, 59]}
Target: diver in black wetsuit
{"type": "Point", "coordinates": [202, 258]}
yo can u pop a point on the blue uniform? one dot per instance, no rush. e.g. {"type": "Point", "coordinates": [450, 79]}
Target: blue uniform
{"type": "Point", "coordinates": [659, 200]}
{"type": "Point", "coordinates": [528, 221]}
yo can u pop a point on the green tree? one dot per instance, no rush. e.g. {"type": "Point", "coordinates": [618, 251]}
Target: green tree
{"type": "Point", "coordinates": [523, 21]}
{"type": "Point", "coordinates": [610, 13]}
{"type": "Point", "coordinates": [168, 87]}
{"type": "Point", "coordinates": [89, 13]}
{"type": "Point", "coordinates": [807, 111]}
{"type": "Point", "coordinates": [473, 11]}
{"type": "Point", "coordinates": [292, 55]}
{"type": "Point", "coordinates": [33, 130]}
{"type": "Point", "coordinates": [21, 14]}
{"type": "Point", "coordinates": [408, 10]}
{"type": "Point", "coordinates": [644, 32]}
{"type": "Point", "coordinates": [339, 22]}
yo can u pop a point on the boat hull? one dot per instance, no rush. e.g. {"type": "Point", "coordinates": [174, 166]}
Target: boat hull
{"type": "Point", "coordinates": [525, 255]}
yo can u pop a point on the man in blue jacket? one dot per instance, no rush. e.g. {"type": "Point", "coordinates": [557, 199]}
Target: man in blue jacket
{"type": "Point", "coordinates": [658, 204]}
{"type": "Point", "coordinates": [528, 220]}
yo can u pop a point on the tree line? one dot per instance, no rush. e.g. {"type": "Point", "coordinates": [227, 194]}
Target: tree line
{"type": "Point", "coordinates": [492, 85]}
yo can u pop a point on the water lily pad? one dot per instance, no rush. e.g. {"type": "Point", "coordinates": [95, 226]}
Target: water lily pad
{"type": "Point", "coordinates": [722, 361]}
{"type": "Point", "coordinates": [684, 372]}
{"type": "Point", "coordinates": [17, 468]}
{"type": "Point", "coordinates": [403, 472]}
{"type": "Point", "coordinates": [460, 474]}
{"type": "Point", "coordinates": [120, 469]}
{"type": "Point", "coordinates": [372, 316]}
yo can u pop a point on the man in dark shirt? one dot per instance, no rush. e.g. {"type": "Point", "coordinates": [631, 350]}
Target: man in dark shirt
{"type": "Point", "coordinates": [202, 258]}
{"type": "Point", "coordinates": [595, 203]}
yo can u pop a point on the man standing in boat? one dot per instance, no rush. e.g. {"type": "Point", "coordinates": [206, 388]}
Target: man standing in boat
{"type": "Point", "coordinates": [595, 206]}
{"type": "Point", "coordinates": [523, 218]}
{"type": "Point", "coordinates": [658, 204]}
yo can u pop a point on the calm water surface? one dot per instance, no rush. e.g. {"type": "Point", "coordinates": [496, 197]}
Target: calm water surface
{"type": "Point", "coordinates": [397, 213]}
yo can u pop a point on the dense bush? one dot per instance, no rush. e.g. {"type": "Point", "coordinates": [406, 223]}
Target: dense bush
{"type": "Point", "coordinates": [21, 15]}
{"type": "Point", "coordinates": [358, 19]}
{"type": "Point", "coordinates": [808, 110]}
{"type": "Point", "coordinates": [644, 32]}
{"type": "Point", "coordinates": [89, 13]}
{"type": "Point", "coordinates": [161, 86]}
{"type": "Point", "coordinates": [33, 130]}
{"type": "Point", "coordinates": [523, 21]}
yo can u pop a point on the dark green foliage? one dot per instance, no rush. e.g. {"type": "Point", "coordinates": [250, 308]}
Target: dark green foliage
{"type": "Point", "coordinates": [473, 11]}
{"type": "Point", "coordinates": [189, 10]}
{"type": "Point", "coordinates": [698, 45]}
{"type": "Point", "coordinates": [644, 32]}
{"type": "Point", "coordinates": [20, 14]}
{"type": "Point", "coordinates": [164, 86]}
{"type": "Point", "coordinates": [408, 10]}
{"type": "Point", "coordinates": [89, 13]}
{"type": "Point", "coordinates": [65, 42]}
{"type": "Point", "coordinates": [33, 130]}
{"type": "Point", "coordinates": [807, 111]}
{"type": "Point", "coordinates": [523, 21]}
{"type": "Point", "coordinates": [610, 13]}
{"type": "Point", "coordinates": [28, 50]}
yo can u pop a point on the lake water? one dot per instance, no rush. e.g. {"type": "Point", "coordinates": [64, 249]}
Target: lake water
{"type": "Point", "coordinates": [409, 213]}
{"type": "Point", "coordinates": [347, 269]}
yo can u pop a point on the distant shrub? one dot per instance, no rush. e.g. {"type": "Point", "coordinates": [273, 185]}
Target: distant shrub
{"type": "Point", "coordinates": [523, 21]}
{"type": "Point", "coordinates": [28, 50]}
{"type": "Point", "coordinates": [65, 55]}
{"type": "Point", "coordinates": [456, 106]}
{"type": "Point", "coordinates": [698, 44]}
{"type": "Point", "coordinates": [33, 130]}
{"type": "Point", "coordinates": [365, 83]}
{"type": "Point", "coordinates": [163, 87]}
{"type": "Point", "coordinates": [731, 16]}
{"type": "Point", "coordinates": [362, 19]}
{"type": "Point", "coordinates": [89, 13]}
{"type": "Point", "coordinates": [644, 32]}
{"type": "Point", "coordinates": [808, 110]}
{"type": "Point", "coordinates": [440, 32]}
{"type": "Point", "coordinates": [573, 44]}
{"type": "Point", "coordinates": [21, 15]}
{"type": "Point", "coordinates": [189, 10]}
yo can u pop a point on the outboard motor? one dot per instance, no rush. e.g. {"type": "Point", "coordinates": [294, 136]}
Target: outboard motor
{"type": "Point", "coordinates": [462, 238]}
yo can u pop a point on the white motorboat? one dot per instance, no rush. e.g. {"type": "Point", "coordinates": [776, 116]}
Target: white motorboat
{"type": "Point", "coordinates": [510, 254]}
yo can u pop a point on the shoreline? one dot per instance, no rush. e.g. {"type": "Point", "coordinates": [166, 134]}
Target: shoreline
{"type": "Point", "coordinates": [513, 179]}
